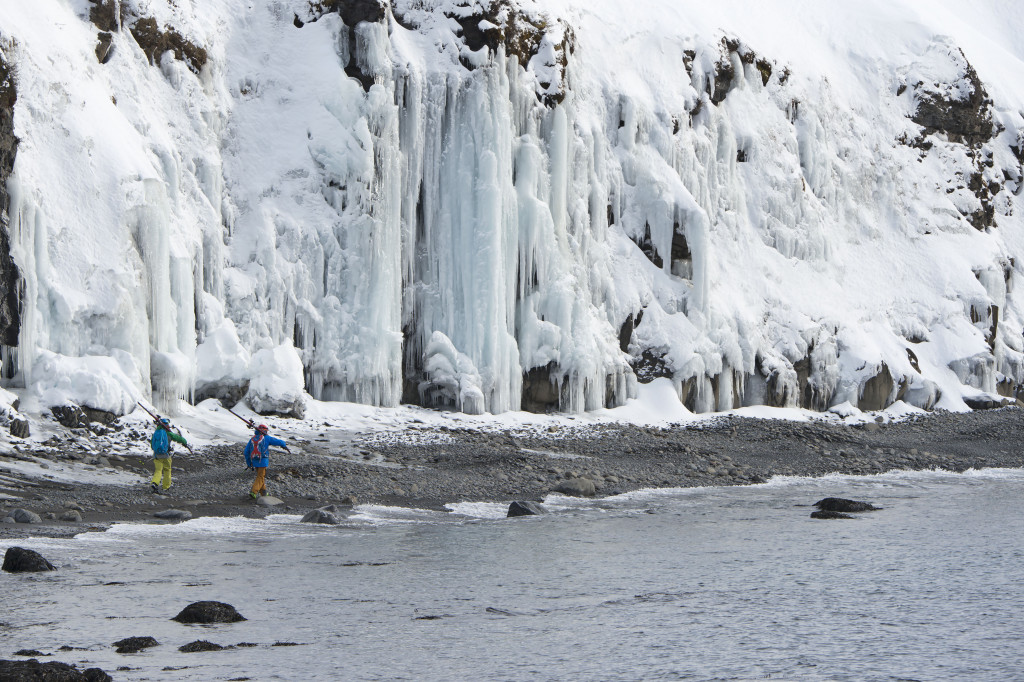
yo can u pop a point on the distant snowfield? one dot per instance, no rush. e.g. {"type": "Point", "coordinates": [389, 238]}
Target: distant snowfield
{"type": "Point", "coordinates": [734, 198]}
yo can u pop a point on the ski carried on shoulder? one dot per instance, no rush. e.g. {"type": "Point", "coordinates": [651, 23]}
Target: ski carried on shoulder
{"type": "Point", "coordinates": [159, 422]}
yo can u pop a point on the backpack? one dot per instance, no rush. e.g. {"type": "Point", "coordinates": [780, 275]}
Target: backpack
{"type": "Point", "coordinates": [255, 440]}
{"type": "Point", "coordinates": [160, 442]}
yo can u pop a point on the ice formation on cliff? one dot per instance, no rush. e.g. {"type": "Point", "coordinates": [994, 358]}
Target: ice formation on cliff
{"type": "Point", "coordinates": [516, 204]}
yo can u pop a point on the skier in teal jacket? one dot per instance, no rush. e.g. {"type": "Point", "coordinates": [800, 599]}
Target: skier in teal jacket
{"type": "Point", "coordinates": [161, 444]}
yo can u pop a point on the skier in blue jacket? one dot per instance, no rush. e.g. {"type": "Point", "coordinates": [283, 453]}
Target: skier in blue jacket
{"type": "Point", "coordinates": [257, 457]}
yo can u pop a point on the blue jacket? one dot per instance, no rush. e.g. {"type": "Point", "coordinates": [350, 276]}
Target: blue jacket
{"type": "Point", "coordinates": [161, 442]}
{"type": "Point", "coordinates": [261, 458]}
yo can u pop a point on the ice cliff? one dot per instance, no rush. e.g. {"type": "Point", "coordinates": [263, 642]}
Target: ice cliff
{"type": "Point", "coordinates": [516, 204]}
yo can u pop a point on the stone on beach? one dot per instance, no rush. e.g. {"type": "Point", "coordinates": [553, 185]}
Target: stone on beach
{"type": "Point", "coordinates": [839, 504]}
{"type": "Point", "coordinates": [577, 487]}
{"type": "Point", "coordinates": [323, 515]}
{"type": "Point", "coordinates": [72, 515]}
{"type": "Point", "coordinates": [525, 508]}
{"type": "Point", "coordinates": [21, 560]}
{"type": "Point", "coordinates": [173, 514]}
{"type": "Point", "coordinates": [268, 501]}
{"type": "Point", "coordinates": [205, 612]}
{"type": "Point", "coordinates": [25, 516]}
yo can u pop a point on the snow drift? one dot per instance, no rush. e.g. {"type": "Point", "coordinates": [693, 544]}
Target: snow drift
{"type": "Point", "coordinates": [492, 206]}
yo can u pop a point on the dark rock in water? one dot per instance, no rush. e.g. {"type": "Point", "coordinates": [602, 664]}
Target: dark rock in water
{"type": "Point", "coordinates": [830, 515]}
{"type": "Point", "coordinates": [838, 504]}
{"type": "Point", "coordinates": [19, 428]}
{"type": "Point", "coordinates": [25, 516]}
{"type": "Point", "coordinates": [199, 645]}
{"type": "Point", "coordinates": [21, 560]}
{"type": "Point", "coordinates": [205, 612]}
{"type": "Point", "coordinates": [321, 515]}
{"type": "Point", "coordinates": [174, 514]}
{"type": "Point", "coordinates": [51, 671]}
{"type": "Point", "coordinates": [132, 645]}
{"type": "Point", "coordinates": [525, 508]}
{"type": "Point", "coordinates": [29, 652]}
{"type": "Point", "coordinates": [577, 487]}
{"type": "Point", "coordinates": [285, 644]}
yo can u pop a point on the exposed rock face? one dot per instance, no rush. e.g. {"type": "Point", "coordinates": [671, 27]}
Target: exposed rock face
{"type": "Point", "coordinates": [52, 671]}
{"type": "Point", "coordinates": [10, 277]}
{"type": "Point", "coordinates": [20, 429]}
{"type": "Point", "coordinates": [525, 508]}
{"type": "Point", "coordinates": [229, 394]}
{"type": "Point", "coordinates": [21, 560]}
{"type": "Point", "coordinates": [132, 645]}
{"type": "Point", "coordinates": [111, 16]}
{"type": "Point", "coordinates": [71, 416]}
{"type": "Point", "coordinates": [540, 392]}
{"type": "Point", "coordinates": [877, 393]}
{"type": "Point", "coordinates": [839, 504]}
{"type": "Point", "coordinates": [205, 612]}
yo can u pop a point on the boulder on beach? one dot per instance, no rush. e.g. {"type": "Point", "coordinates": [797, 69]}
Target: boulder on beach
{"type": "Point", "coordinates": [173, 515]}
{"type": "Point", "coordinates": [321, 515]}
{"type": "Point", "coordinates": [830, 515]}
{"type": "Point", "coordinates": [199, 645]}
{"type": "Point", "coordinates": [33, 671]}
{"type": "Point", "coordinates": [25, 516]}
{"type": "Point", "coordinates": [72, 515]}
{"type": "Point", "coordinates": [268, 501]}
{"type": "Point", "coordinates": [577, 487]}
{"type": "Point", "coordinates": [838, 504]}
{"type": "Point", "coordinates": [21, 560]}
{"type": "Point", "coordinates": [205, 612]}
{"type": "Point", "coordinates": [133, 645]}
{"type": "Point", "coordinates": [525, 508]}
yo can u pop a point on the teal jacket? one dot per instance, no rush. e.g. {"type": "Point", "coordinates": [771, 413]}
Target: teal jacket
{"type": "Point", "coordinates": [161, 442]}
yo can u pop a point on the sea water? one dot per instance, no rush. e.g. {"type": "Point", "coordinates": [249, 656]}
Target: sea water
{"type": "Point", "coordinates": [702, 583]}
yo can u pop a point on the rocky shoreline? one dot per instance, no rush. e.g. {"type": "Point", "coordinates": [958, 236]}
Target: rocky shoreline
{"type": "Point", "coordinates": [429, 466]}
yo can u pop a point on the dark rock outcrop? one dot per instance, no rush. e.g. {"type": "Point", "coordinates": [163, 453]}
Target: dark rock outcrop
{"type": "Point", "coordinates": [206, 612]}
{"type": "Point", "coordinates": [29, 652]}
{"type": "Point", "coordinates": [525, 508]}
{"type": "Point", "coordinates": [51, 671]}
{"type": "Point", "coordinates": [21, 560]}
{"type": "Point", "coordinates": [830, 515]}
{"type": "Point", "coordinates": [133, 645]}
{"type": "Point", "coordinates": [839, 504]}
{"type": "Point", "coordinates": [540, 389]}
{"type": "Point", "coordinates": [71, 416]}
{"type": "Point", "coordinates": [19, 428]}
{"type": "Point", "coordinates": [110, 16]}
{"type": "Point", "coordinates": [200, 645]}
{"type": "Point", "coordinates": [10, 276]}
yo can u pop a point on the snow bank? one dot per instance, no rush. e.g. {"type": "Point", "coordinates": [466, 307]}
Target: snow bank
{"type": "Point", "coordinates": [97, 382]}
{"type": "Point", "coordinates": [276, 383]}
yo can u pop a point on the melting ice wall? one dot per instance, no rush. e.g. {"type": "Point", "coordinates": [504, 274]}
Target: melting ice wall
{"type": "Point", "coordinates": [492, 206]}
